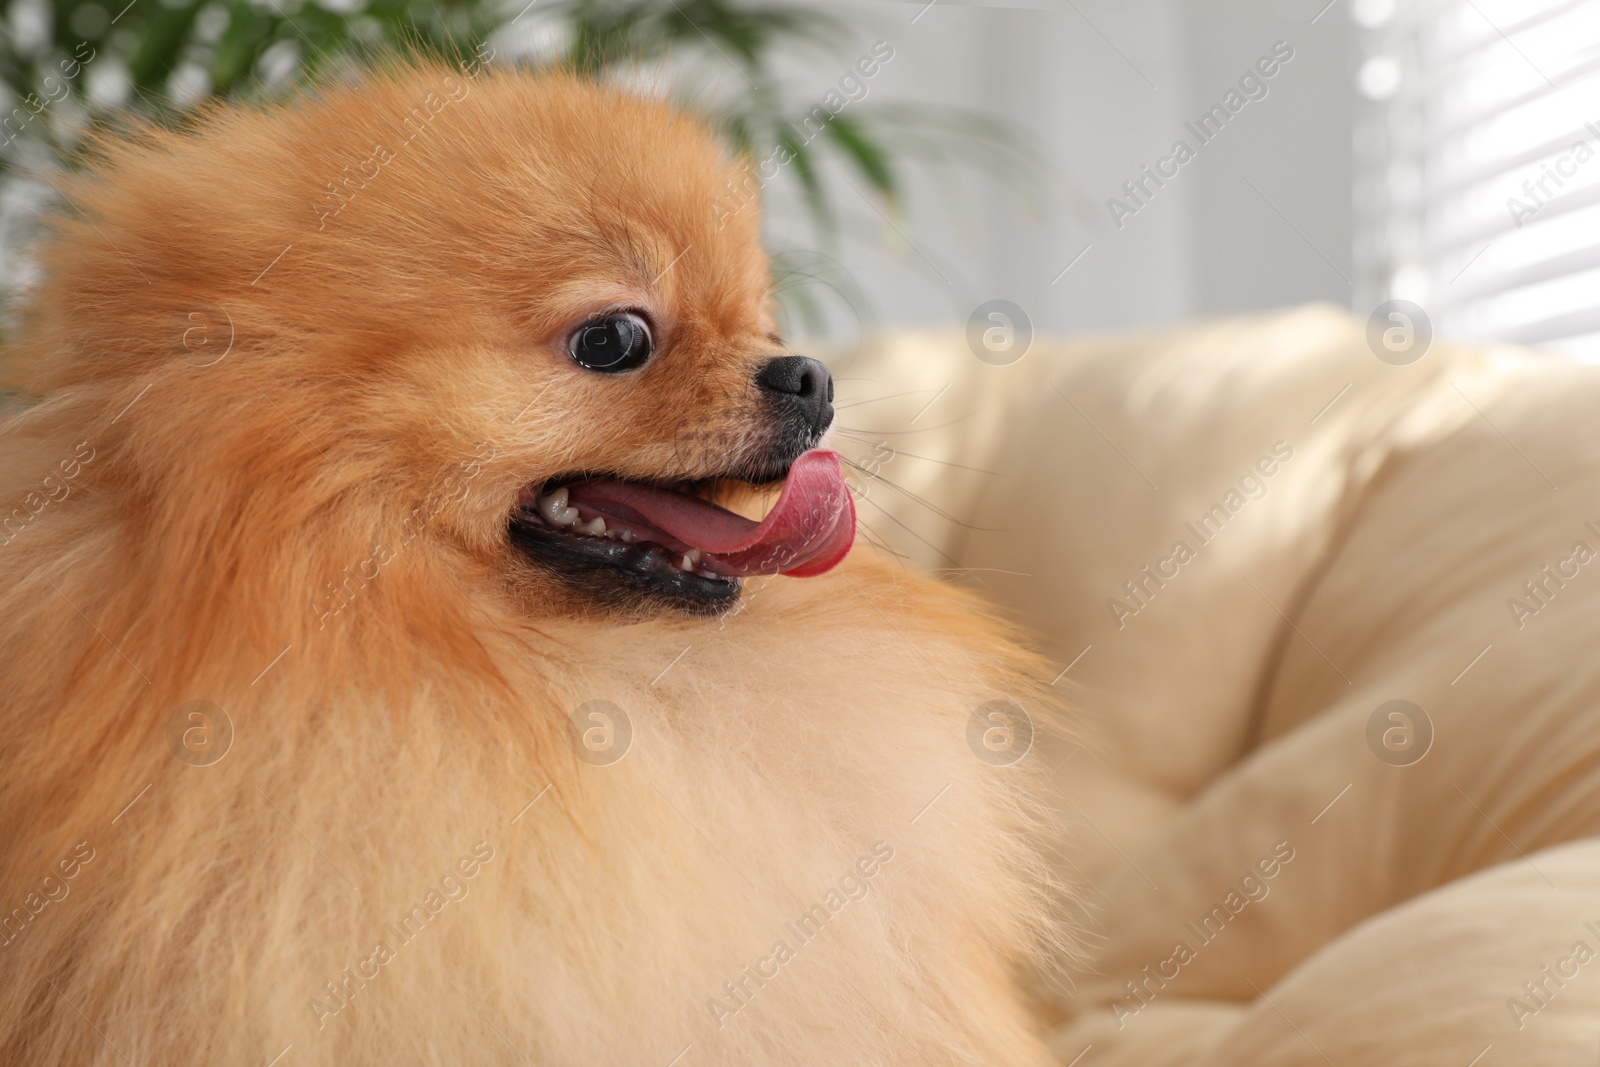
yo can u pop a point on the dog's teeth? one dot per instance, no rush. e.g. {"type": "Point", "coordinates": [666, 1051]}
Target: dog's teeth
{"type": "Point", "coordinates": [690, 558]}
{"type": "Point", "coordinates": [595, 526]}
{"type": "Point", "coordinates": [553, 506]}
{"type": "Point", "coordinates": [627, 536]}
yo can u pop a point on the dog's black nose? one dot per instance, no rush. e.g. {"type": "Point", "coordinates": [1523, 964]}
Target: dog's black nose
{"type": "Point", "coordinates": [802, 385]}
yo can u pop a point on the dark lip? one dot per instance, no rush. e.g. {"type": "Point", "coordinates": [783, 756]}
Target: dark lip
{"type": "Point", "coordinates": [638, 574]}
{"type": "Point", "coordinates": [621, 574]}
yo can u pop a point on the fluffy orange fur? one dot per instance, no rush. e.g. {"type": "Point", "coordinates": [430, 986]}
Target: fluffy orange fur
{"type": "Point", "coordinates": [275, 435]}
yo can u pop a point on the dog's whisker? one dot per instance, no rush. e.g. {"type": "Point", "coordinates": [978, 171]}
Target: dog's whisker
{"type": "Point", "coordinates": [975, 570]}
{"type": "Point", "coordinates": [947, 463]}
{"type": "Point", "coordinates": [878, 399]}
{"type": "Point", "coordinates": [903, 526]}
{"type": "Point", "coordinates": [881, 543]}
{"type": "Point", "coordinates": [900, 433]}
{"type": "Point", "coordinates": [878, 477]}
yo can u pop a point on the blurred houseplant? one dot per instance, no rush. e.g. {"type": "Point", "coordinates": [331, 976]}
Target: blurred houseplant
{"type": "Point", "coordinates": [69, 65]}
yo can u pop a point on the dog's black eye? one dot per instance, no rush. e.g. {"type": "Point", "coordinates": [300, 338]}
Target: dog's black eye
{"type": "Point", "coordinates": [611, 343]}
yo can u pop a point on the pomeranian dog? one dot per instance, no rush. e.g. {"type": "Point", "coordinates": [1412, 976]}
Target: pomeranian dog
{"type": "Point", "coordinates": [399, 668]}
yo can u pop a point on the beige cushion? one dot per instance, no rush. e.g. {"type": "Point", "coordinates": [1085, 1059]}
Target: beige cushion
{"type": "Point", "coordinates": [1370, 558]}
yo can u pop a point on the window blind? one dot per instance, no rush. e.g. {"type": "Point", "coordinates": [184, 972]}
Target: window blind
{"type": "Point", "coordinates": [1478, 163]}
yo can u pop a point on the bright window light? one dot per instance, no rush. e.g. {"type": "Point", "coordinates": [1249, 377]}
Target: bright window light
{"type": "Point", "coordinates": [1479, 166]}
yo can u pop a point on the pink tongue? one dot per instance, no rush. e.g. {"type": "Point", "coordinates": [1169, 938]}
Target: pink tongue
{"type": "Point", "coordinates": [807, 532]}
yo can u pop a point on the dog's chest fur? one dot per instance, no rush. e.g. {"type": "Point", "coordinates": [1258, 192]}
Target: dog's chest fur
{"type": "Point", "coordinates": [799, 859]}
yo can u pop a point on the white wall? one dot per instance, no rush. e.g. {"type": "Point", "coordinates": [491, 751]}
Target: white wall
{"type": "Point", "coordinates": [1104, 87]}
{"type": "Point", "coordinates": [1101, 87]}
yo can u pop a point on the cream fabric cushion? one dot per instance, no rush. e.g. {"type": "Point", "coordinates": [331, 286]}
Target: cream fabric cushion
{"type": "Point", "coordinates": [1355, 533]}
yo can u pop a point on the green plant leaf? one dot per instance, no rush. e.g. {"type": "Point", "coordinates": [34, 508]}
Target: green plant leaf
{"type": "Point", "coordinates": [868, 156]}
{"type": "Point", "coordinates": [705, 46]}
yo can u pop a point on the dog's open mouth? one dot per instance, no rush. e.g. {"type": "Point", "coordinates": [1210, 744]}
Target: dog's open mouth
{"type": "Point", "coordinates": [668, 540]}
